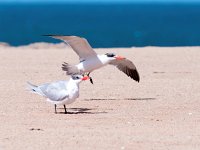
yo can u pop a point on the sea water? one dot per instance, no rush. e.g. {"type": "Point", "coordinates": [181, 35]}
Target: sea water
{"type": "Point", "coordinates": [104, 25]}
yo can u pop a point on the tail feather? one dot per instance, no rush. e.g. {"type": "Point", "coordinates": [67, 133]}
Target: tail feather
{"type": "Point", "coordinates": [70, 69]}
{"type": "Point", "coordinates": [31, 86]}
{"type": "Point", "coordinates": [34, 88]}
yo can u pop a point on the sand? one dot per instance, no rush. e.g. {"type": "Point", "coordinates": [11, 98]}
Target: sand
{"type": "Point", "coordinates": [161, 112]}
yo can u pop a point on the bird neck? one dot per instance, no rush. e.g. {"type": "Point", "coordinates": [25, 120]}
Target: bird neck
{"type": "Point", "coordinates": [104, 59]}
{"type": "Point", "coordinates": [72, 88]}
{"type": "Point", "coordinates": [73, 83]}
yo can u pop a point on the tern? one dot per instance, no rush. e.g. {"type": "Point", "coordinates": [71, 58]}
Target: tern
{"type": "Point", "coordinates": [90, 60]}
{"type": "Point", "coordinates": [59, 92]}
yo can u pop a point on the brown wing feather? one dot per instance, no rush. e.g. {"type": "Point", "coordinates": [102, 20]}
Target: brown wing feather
{"type": "Point", "coordinates": [127, 67]}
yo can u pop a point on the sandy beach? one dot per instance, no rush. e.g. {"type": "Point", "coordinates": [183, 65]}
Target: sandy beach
{"type": "Point", "coordinates": [116, 113]}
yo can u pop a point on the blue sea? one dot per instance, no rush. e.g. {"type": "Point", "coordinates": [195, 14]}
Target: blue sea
{"type": "Point", "coordinates": [104, 25]}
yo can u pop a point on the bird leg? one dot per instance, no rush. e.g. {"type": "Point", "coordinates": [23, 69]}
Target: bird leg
{"type": "Point", "coordinates": [65, 109]}
{"type": "Point", "coordinates": [55, 109]}
{"type": "Point", "coordinates": [90, 77]}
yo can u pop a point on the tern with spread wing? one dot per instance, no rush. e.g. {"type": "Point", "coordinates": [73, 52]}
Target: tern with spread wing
{"type": "Point", "coordinates": [60, 92]}
{"type": "Point", "coordinates": [90, 60]}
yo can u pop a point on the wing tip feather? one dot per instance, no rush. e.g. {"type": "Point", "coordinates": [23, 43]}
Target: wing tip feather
{"type": "Point", "coordinates": [136, 76]}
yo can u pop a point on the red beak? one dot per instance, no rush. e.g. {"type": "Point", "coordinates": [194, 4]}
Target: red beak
{"type": "Point", "coordinates": [85, 78]}
{"type": "Point", "coordinates": [119, 57]}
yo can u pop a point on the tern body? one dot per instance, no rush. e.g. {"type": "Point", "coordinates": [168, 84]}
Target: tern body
{"type": "Point", "coordinates": [59, 92]}
{"type": "Point", "coordinates": [90, 60]}
{"type": "Point", "coordinates": [92, 64]}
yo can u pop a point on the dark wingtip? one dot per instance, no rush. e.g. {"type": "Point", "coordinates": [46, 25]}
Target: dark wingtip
{"type": "Point", "coordinates": [135, 75]}
{"type": "Point", "coordinates": [65, 67]}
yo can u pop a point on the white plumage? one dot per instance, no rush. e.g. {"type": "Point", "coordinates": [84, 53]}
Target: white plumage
{"type": "Point", "coordinates": [60, 92]}
{"type": "Point", "coordinates": [90, 60]}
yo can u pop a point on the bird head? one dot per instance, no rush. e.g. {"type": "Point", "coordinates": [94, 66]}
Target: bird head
{"type": "Point", "coordinates": [112, 56]}
{"type": "Point", "coordinates": [78, 78]}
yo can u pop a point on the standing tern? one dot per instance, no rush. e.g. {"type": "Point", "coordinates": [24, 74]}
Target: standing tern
{"type": "Point", "coordinates": [90, 60]}
{"type": "Point", "coordinates": [60, 92]}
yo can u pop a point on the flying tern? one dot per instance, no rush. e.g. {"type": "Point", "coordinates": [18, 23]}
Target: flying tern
{"type": "Point", "coordinates": [60, 92]}
{"type": "Point", "coordinates": [90, 60]}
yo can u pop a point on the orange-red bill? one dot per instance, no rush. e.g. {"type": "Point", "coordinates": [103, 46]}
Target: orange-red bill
{"type": "Point", "coordinates": [119, 57]}
{"type": "Point", "coordinates": [85, 78]}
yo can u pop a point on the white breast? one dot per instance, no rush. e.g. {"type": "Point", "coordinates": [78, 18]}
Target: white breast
{"type": "Point", "coordinates": [73, 91]}
{"type": "Point", "coordinates": [93, 63]}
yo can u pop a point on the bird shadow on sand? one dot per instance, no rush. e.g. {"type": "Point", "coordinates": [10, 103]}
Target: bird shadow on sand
{"type": "Point", "coordinates": [81, 111]}
{"type": "Point", "coordinates": [141, 99]}
{"type": "Point", "coordinates": [130, 99]}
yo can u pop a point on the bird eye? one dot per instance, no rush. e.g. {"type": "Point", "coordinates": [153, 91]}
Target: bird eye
{"type": "Point", "coordinates": [110, 54]}
{"type": "Point", "coordinates": [77, 77]}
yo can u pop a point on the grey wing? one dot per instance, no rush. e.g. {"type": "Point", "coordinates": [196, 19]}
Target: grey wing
{"type": "Point", "coordinates": [127, 67]}
{"type": "Point", "coordinates": [55, 91]}
{"type": "Point", "coordinates": [78, 44]}
{"type": "Point", "coordinates": [70, 69]}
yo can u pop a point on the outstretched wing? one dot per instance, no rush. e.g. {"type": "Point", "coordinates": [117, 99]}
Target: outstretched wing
{"type": "Point", "coordinates": [127, 67]}
{"type": "Point", "coordinates": [78, 44]}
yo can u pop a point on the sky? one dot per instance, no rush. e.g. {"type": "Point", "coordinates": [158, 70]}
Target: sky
{"type": "Point", "coordinates": [100, 0]}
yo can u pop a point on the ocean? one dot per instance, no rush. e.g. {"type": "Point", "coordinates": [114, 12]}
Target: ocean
{"type": "Point", "coordinates": [104, 25]}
